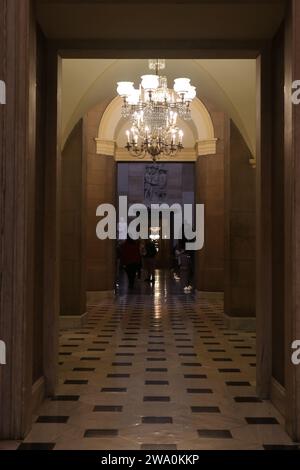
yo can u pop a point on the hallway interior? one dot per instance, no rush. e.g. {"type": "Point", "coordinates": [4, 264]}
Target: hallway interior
{"type": "Point", "coordinates": [157, 371]}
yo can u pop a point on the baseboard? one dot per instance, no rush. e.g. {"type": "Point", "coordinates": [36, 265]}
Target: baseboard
{"type": "Point", "coordinates": [278, 397]}
{"type": "Point", "coordinates": [209, 295]}
{"type": "Point", "coordinates": [37, 394]}
{"type": "Point", "coordinates": [240, 323]}
{"type": "Point", "coordinates": [72, 321]}
{"type": "Point", "coordinates": [93, 297]}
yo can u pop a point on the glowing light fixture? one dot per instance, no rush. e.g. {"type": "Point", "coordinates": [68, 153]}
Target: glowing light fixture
{"type": "Point", "coordinates": [153, 110]}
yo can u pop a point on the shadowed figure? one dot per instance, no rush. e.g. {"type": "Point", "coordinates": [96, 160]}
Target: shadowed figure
{"type": "Point", "coordinates": [130, 259]}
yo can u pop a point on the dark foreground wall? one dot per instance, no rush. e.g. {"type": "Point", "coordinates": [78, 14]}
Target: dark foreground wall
{"type": "Point", "coordinates": [239, 295]}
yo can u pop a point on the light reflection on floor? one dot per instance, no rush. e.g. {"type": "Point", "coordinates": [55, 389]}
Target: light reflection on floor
{"type": "Point", "coordinates": [157, 369]}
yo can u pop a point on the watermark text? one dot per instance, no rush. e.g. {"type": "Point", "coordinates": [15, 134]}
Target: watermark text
{"type": "Point", "coordinates": [186, 223]}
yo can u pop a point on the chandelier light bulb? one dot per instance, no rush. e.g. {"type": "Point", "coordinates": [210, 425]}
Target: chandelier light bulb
{"type": "Point", "coordinates": [191, 94]}
{"type": "Point", "coordinates": [134, 97]}
{"type": "Point", "coordinates": [150, 82]}
{"type": "Point", "coordinates": [182, 85]}
{"type": "Point", "coordinates": [125, 89]}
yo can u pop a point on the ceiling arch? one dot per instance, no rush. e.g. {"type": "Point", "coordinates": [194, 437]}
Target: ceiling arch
{"type": "Point", "coordinates": [230, 85]}
{"type": "Point", "coordinates": [201, 124]}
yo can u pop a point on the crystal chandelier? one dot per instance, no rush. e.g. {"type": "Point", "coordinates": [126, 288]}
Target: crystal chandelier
{"type": "Point", "coordinates": [153, 110]}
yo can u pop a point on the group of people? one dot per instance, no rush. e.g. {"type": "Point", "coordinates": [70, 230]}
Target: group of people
{"type": "Point", "coordinates": [138, 255]}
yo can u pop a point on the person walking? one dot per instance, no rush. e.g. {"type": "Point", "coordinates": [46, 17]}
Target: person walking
{"type": "Point", "coordinates": [185, 270]}
{"type": "Point", "coordinates": [149, 260]}
{"type": "Point", "coordinates": [131, 259]}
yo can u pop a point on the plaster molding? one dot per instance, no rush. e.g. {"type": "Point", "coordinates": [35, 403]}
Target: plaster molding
{"type": "Point", "coordinates": [206, 143]}
{"type": "Point", "coordinates": [240, 323]}
{"type": "Point", "coordinates": [72, 321]}
{"type": "Point", "coordinates": [105, 147]}
{"type": "Point", "coordinates": [94, 297]}
{"type": "Point", "coordinates": [186, 155]}
{"type": "Point", "coordinates": [206, 147]}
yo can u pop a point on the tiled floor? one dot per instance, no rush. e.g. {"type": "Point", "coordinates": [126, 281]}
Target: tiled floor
{"type": "Point", "coordinates": [157, 371]}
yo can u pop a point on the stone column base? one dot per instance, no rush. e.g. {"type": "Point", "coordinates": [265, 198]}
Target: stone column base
{"type": "Point", "coordinates": [72, 321]}
{"type": "Point", "coordinates": [38, 392]}
{"type": "Point", "coordinates": [209, 295]}
{"type": "Point", "coordinates": [240, 323]}
{"type": "Point", "coordinates": [278, 396]}
{"type": "Point", "coordinates": [93, 297]}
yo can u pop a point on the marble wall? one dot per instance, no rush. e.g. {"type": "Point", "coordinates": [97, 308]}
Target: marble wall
{"type": "Point", "coordinates": [240, 240]}
{"type": "Point", "coordinates": [101, 188]}
{"type": "Point", "coordinates": [210, 192]}
{"type": "Point", "coordinates": [73, 223]}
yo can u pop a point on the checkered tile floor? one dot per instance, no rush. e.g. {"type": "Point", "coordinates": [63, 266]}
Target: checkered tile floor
{"type": "Point", "coordinates": [157, 372]}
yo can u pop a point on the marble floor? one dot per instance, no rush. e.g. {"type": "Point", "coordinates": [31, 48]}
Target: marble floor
{"type": "Point", "coordinates": [157, 370]}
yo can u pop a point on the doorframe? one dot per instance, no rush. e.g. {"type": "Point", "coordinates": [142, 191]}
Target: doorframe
{"type": "Point", "coordinates": [180, 50]}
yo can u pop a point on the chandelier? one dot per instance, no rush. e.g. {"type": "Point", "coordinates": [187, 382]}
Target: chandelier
{"type": "Point", "coordinates": [153, 110]}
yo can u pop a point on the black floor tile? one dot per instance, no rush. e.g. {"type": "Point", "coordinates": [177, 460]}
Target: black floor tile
{"type": "Point", "coordinates": [238, 383]}
{"type": "Point", "coordinates": [76, 382]}
{"type": "Point", "coordinates": [247, 400]}
{"type": "Point", "coordinates": [157, 398]}
{"type": "Point", "coordinates": [191, 364]}
{"type": "Point", "coordinates": [156, 382]}
{"type": "Point", "coordinates": [90, 433]}
{"type": "Point", "coordinates": [205, 409]}
{"type": "Point", "coordinates": [66, 398]}
{"type": "Point", "coordinates": [90, 358]}
{"type": "Point", "coordinates": [108, 408]}
{"type": "Point", "coordinates": [261, 420]}
{"type": "Point", "coordinates": [157, 420]}
{"type": "Point", "coordinates": [118, 376]}
{"type": "Point", "coordinates": [52, 419]}
{"type": "Point", "coordinates": [195, 376]}
{"type": "Point", "coordinates": [222, 359]}
{"type": "Point", "coordinates": [114, 390]}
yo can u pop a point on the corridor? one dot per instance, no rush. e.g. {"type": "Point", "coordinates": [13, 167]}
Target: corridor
{"type": "Point", "coordinates": [157, 371]}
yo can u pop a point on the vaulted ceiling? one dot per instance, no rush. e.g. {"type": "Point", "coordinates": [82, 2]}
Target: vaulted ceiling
{"type": "Point", "coordinates": [133, 27]}
{"type": "Point", "coordinates": [229, 85]}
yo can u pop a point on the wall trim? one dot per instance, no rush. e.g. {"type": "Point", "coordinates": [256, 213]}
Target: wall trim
{"type": "Point", "coordinates": [186, 155]}
{"type": "Point", "coordinates": [209, 295]}
{"type": "Point", "coordinates": [278, 396]}
{"type": "Point", "coordinates": [206, 147]}
{"type": "Point", "coordinates": [38, 393]}
{"type": "Point", "coordinates": [93, 297]}
{"type": "Point", "coordinates": [72, 321]}
{"type": "Point", "coordinates": [202, 148]}
{"type": "Point", "coordinates": [105, 147]}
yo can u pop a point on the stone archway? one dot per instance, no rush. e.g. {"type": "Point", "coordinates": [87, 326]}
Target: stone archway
{"type": "Point", "coordinates": [105, 155]}
{"type": "Point", "coordinates": [201, 127]}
